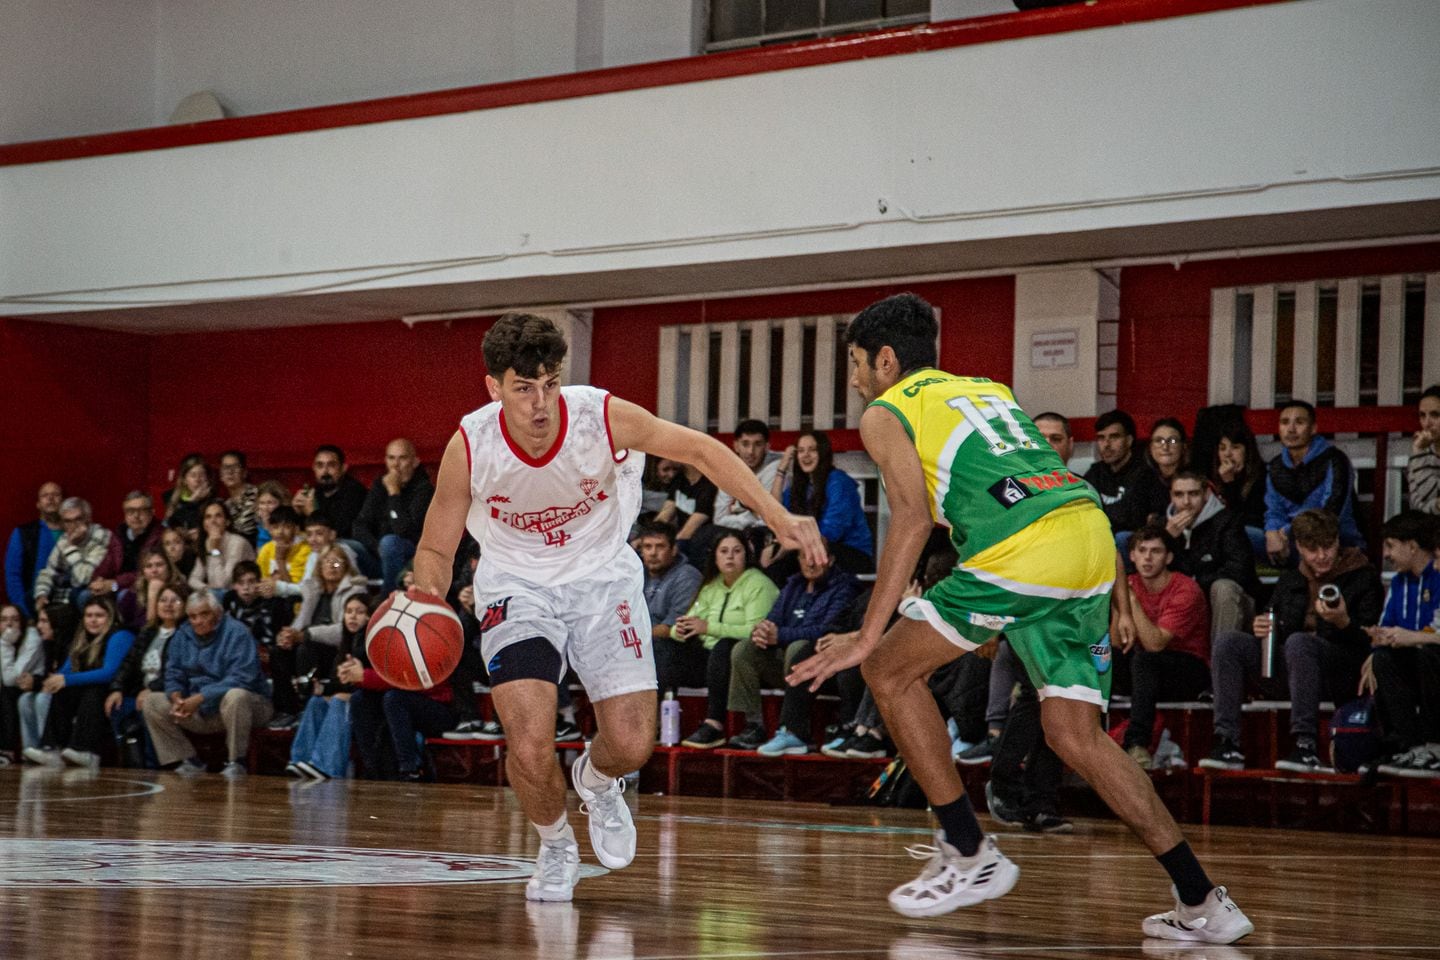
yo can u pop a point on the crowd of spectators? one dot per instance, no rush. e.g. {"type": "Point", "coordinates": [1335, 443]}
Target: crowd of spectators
{"type": "Point", "coordinates": [245, 605]}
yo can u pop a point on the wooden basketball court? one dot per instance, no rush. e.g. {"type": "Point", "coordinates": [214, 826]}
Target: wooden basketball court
{"type": "Point", "coordinates": [129, 863]}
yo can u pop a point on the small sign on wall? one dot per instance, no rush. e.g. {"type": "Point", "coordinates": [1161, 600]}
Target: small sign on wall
{"type": "Point", "coordinates": [1054, 348]}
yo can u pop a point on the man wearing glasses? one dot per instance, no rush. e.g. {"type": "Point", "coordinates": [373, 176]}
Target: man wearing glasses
{"type": "Point", "coordinates": [138, 533]}
{"type": "Point", "coordinates": [83, 547]}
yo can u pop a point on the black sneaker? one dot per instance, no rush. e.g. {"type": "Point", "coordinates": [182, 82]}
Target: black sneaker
{"type": "Point", "coordinates": [1304, 759]}
{"type": "Point", "coordinates": [283, 721]}
{"type": "Point", "coordinates": [999, 809]}
{"type": "Point", "coordinates": [1048, 821]}
{"type": "Point", "coordinates": [750, 738]}
{"type": "Point", "coordinates": [867, 746]}
{"type": "Point", "coordinates": [706, 738]}
{"type": "Point", "coordinates": [978, 754]}
{"type": "Point", "coordinates": [490, 730]}
{"type": "Point", "coordinates": [466, 730]}
{"type": "Point", "coordinates": [565, 731]}
{"type": "Point", "coordinates": [1225, 756]}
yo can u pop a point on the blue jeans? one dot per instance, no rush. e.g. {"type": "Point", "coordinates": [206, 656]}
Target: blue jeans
{"type": "Point", "coordinates": [323, 737]}
{"type": "Point", "coordinates": [34, 710]}
{"type": "Point", "coordinates": [395, 552]}
{"type": "Point", "coordinates": [363, 558]}
{"type": "Point", "coordinates": [409, 713]}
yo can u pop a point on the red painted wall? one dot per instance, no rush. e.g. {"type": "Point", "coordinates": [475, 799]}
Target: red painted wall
{"type": "Point", "coordinates": [1165, 327]}
{"type": "Point", "coordinates": [73, 408]}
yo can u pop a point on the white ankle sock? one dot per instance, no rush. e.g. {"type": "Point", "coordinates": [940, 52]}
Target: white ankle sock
{"type": "Point", "coordinates": [555, 831]}
{"type": "Point", "coordinates": [592, 779]}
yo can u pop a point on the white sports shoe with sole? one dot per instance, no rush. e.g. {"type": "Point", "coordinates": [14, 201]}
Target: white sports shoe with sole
{"type": "Point", "coordinates": [612, 830]}
{"type": "Point", "coordinates": [1216, 920]}
{"type": "Point", "coordinates": [950, 881]}
{"type": "Point", "coordinates": [557, 869]}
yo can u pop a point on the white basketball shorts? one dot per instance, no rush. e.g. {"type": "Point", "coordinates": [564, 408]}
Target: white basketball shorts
{"type": "Point", "coordinates": [599, 624]}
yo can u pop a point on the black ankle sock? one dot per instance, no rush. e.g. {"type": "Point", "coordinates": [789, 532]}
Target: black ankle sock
{"type": "Point", "coordinates": [957, 821]}
{"type": "Point", "coordinates": [1185, 871]}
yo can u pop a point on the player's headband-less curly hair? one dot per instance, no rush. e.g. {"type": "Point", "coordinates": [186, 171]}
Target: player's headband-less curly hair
{"type": "Point", "coordinates": [525, 343]}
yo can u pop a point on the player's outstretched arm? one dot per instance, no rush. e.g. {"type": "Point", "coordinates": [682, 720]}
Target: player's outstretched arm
{"type": "Point", "coordinates": [634, 427]}
{"type": "Point", "coordinates": [910, 524]}
{"type": "Point", "coordinates": [445, 520]}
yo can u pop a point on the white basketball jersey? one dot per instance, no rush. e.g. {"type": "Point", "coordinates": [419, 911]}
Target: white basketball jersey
{"type": "Point", "coordinates": [558, 518]}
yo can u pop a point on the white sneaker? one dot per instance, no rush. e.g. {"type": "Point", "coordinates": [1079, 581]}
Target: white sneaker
{"type": "Point", "coordinates": [612, 831]}
{"type": "Point", "coordinates": [1216, 920]}
{"type": "Point", "coordinates": [81, 758]}
{"type": "Point", "coordinates": [234, 770]}
{"type": "Point", "coordinates": [557, 869]}
{"type": "Point", "coordinates": [43, 756]}
{"type": "Point", "coordinates": [950, 881]}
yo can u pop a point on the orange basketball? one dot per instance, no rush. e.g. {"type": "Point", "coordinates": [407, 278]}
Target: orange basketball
{"type": "Point", "coordinates": [414, 640]}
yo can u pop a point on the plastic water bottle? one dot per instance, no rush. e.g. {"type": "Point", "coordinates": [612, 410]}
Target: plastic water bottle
{"type": "Point", "coordinates": [1267, 650]}
{"type": "Point", "coordinates": [669, 720]}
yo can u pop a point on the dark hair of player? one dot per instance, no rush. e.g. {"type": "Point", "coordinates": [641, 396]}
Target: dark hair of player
{"type": "Point", "coordinates": [905, 323]}
{"type": "Point", "coordinates": [531, 346]}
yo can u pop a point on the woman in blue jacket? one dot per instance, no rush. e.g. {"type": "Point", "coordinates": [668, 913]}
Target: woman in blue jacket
{"type": "Point", "coordinates": [76, 728]}
{"type": "Point", "coordinates": [808, 483]}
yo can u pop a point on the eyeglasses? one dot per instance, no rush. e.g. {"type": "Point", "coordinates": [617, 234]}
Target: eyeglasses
{"type": "Point", "coordinates": [1165, 441]}
{"type": "Point", "coordinates": [335, 563]}
{"type": "Point", "coordinates": [134, 510]}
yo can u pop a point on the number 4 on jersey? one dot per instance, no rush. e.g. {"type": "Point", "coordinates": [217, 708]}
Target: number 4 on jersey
{"type": "Point", "coordinates": [999, 409]}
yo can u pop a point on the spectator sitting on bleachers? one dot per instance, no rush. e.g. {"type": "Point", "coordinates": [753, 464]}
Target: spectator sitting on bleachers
{"type": "Point", "coordinates": [1211, 547]}
{"type": "Point", "coordinates": [470, 671]}
{"type": "Point", "coordinates": [808, 483]}
{"type": "Point", "coordinates": [732, 599]}
{"type": "Point", "coordinates": [193, 486]}
{"type": "Point", "coordinates": [283, 560]}
{"type": "Point", "coordinates": [1238, 473]}
{"type": "Point", "coordinates": [335, 491]}
{"type": "Point", "coordinates": [178, 547]}
{"type": "Point", "coordinates": [142, 675]}
{"type": "Point", "coordinates": [1172, 624]}
{"type": "Point", "coordinates": [807, 605]}
{"type": "Point", "coordinates": [140, 532]}
{"type": "Point", "coordinates": [22, 654]}
{"type": "Point", "coordinates": [82, 549]}
{"type": "Point", "coordinates": [76, 728]}
{"type": "Point", "coordinates": [220, 549]}
{"type": "Point", "coordinates": [1406, 658]}
{"type": "Point", "coordinates": [56, 623]}
{"type": "Point", "coordinates": [1423, 470]}
{"type": "Point", "coordinates": [321, 748]}
{"type": "Point", "coordinates": [389, 524]}
{"type": "Point", "coordinates": [265, 617]}
{"type": "Point", "coordinates": [272, 493]}
{"type": "Point", "coordinates": [1318, 650]}
{"type": "Point", "coordinates": [690, 506]}
{"type": "Point", "coordinates": [213, 683]}
{"type": "Point", "coordinates": [157, 571]}
{"type": "Point", "coordinates": [320, 535]}
{"type": "Point", "coordinates": [317, 629]}
{"type": "Point", "coordinates": [752, 445]}
{"type": "Point", "coordinates": [655, 483]}
{"type": "Point", "coordinates": [1128, 488]}
{"type": "Point", "coordinates": [671, 584]}
{"type": "Point", "coordinates": [240, 494]}
{"type": "Point", "coordinates": [1308, 474]}
{"type": "Point", "coordinates": [28, 550]}
{"type": "Point", "coordinates": [1167, 450]}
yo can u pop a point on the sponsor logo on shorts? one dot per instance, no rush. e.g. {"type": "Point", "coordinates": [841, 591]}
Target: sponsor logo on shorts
{"type": "Point", "coordinates": [623, 612]}
{"type": "Point", "coordinates": [990, 621]}
{"type": "Point", "coordinates": [495, 614]}
{"type": "Point", "coordinates": [1100, 654]}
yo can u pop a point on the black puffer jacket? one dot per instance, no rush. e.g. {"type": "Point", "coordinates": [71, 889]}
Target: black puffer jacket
{"type": "Point", "coordinates": [1360, 586]}
{"type": "Point", "coordinates": [1216, 548]}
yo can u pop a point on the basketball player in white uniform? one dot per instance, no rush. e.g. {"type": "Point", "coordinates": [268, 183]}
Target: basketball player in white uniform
{"type": "Point", "coordinates": [547, 479]}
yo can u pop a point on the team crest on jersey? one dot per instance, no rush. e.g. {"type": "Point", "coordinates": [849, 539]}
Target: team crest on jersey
{"type": "Point", "coordinates": [495, 614]}
{"type": "Point", "coordinates": [588, 485]}
{"type": "Point", "coordinates": [623, 612]}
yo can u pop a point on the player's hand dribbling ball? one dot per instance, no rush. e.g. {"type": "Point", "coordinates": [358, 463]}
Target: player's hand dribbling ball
{"type": "Point", "coordinates": [414, 640]}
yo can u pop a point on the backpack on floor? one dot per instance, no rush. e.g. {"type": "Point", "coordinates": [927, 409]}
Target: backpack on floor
{"type": "Point", "coordinates": [1354, 735]}
{"type": "Point", "coordinates": [895, 787]}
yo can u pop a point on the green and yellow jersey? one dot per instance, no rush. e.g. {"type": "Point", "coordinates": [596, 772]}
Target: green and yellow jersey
{"type": "Point", "coordinates": [988, 471]}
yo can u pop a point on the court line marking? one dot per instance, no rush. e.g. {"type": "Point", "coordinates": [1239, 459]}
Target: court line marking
{"type": "Point", "coordinates": [151, 790]}
{"type": "Point", "coordinates": [1041, 856]}
{"type": "Point", "coordinates": [939, 950]}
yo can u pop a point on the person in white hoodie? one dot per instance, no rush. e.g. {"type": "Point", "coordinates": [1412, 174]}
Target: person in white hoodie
{"type": "Point", "coordinates": [21, 652]}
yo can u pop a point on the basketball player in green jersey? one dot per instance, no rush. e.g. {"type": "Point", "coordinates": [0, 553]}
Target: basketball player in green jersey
{"type": "Point", "coordinates": [1037, 561]}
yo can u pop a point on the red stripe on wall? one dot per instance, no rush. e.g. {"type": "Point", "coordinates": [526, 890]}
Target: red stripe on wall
{"type": "Point", "coordinates": [884, 43]}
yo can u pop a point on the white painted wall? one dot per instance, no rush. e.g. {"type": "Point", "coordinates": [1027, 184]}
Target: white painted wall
{"type": "Point", "coordinates": [1056, 302]}
{"type": "Point", "coordinates": [1261, 110]}
{"type": "Point", "coordinates": [69, 67]}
